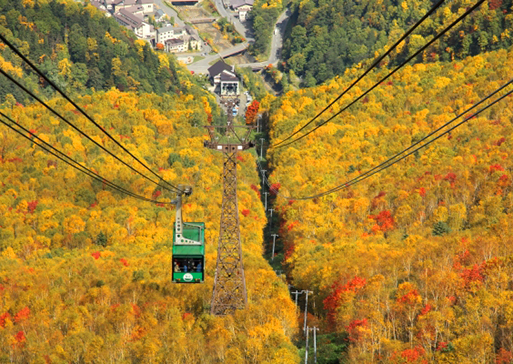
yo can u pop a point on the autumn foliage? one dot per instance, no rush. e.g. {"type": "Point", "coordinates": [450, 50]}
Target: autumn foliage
{"type": "Point", "coordinates": [412, 262]}
{"type": "Point", "coordinates": [85, 270]}
{"type": "Point", "coordinates": [252, 112]}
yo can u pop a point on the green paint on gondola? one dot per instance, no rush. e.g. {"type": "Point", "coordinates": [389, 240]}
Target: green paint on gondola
{"type": "Point", "coordinates": [188, 245]}
{"type": "Point", "coordinates": [188, 259]}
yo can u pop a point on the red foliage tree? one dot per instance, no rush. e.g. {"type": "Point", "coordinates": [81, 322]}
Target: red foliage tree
{"type": "Point", "coordinates": [384, 221]}
{"type": "Point", "coordinates": [472, 275]}
{"type": "Point", "coordinates": [22, 315]}
{"type": "Point", "coordinates": [412, 355]}
{"type": "Point", "coordinates": [354, 329]}
{"type": "Point", "coordinates": [124, 261]}
{"type": "Point", "coordinates": [494, 4]}
{"type": "Point", "coordinates": [275, 187]}
{"type": "Point", "coordinates": [504, 356]}
{"type": "Point", "coordinates": [332, 302]}
{"type": "Point", "coordinates": [425, 310]}
{"type": "Point", "coordinates": [410, 298]}
{"type": "Point", "coordinates": [32, 206]}
{"type": "Point", "coordinates": [496, 167]}
{"type": "Point", "coordinates": [252, 112]}
{"type": "Point", "coordinates": [451, 177]}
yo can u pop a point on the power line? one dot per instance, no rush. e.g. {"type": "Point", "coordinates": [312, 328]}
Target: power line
{"type": "Point", "coordinates": [80, 131]}
{"type": "Point", "coordinates": [376, 62]}
{"type": "Point", "coordinates": [425, 145]}
{"type": "Point", "coordinates": [14, 49]}
{"type": "Point", "coordinates": [58, 154]}
{"type": "Point", "coordinates": [390, 74]}
{"type": "Point", "coordinates": [389, 162]}
{"type": "Point", "coordinates": [385, 164]}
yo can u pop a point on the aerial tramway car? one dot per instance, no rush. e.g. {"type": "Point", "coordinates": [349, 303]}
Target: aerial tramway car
{"type": "Point", "coordinates": [188, 245]}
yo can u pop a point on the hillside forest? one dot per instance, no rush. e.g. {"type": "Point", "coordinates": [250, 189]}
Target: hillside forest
{"type": "Point", "coordinates": [327, 36]}
{"type": "Point", "coordinates": [414, 264]}
{"type": "Point", "coordinates": [85, 271]}
{"type": "Point", "coordinates": [80, 50]}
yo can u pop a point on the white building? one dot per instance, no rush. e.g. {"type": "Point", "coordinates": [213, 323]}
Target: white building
{"type": "Point", "coordinates": [159, 16]}
{"type": "Point", "coordinates": [170, 32]}
{"type": "Point", "coordinates": [224, 79]}
{"type": "Point", "coordinates": [243, 7]}
{"type": "Point", "coordinates": [148, 6]}
{"type": "Point", "coordinates": [136, 23]}
{"type": "Point", "coordinates": [136, 10]}
{"type": "Point", "coordinates": [175, 45]}
{"type": "Point", "coordinates": [122, 4]}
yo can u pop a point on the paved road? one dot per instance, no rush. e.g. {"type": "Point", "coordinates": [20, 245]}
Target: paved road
{"type": "Point", "coordinates": [170, 12]}
{"type": "Point", "coordinates": [203, 65]}
{"type": "Point", "coordinates": [241, 27]}
{"type": "Point", "coordinates": [276, 42]}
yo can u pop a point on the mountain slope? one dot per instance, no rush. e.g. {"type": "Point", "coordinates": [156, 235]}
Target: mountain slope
{"type": "Point", "coordinates": [413, 263]}
{"type": "Point", "coordinates": [80, 49]}
{"type": "Point", "coordinates": [329, 36]}
{"type": "Point", "coordinates": [85, 272]}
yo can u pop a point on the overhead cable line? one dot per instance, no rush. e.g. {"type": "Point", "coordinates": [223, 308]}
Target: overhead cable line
{"type": "Point", "coordinates": [70, 161]}
{"type": "Point", "coordinates": [80, 131]}
{"type": "Point", "coordinates": [390, 74]}
{"type": "Point", "coordinates": [57, 88]}
{"type": "Point", "coordinates": [393, 160]}
{"type": "Point", "coordinates": [376, 62]}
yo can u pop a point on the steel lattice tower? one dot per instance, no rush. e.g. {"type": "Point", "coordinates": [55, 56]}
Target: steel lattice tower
{"type": "Point", "coordinates": [229, 284]}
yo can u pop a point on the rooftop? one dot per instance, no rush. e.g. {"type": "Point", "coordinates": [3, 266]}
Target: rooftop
{"type": "Point", "coordinates": [170, 28]}
{"type": "Point", "coordinates": [131, 19]}
{"type": "Point", "coordinates": [174, 41]}
{"type": "Point", "coordinates": [238, 3]}
{"type": "Point", "coordinates": [228, 76]}
{"type": "Point", "coordinates": [133, 9]}
{"type": "Point", "coordinates": [219, 67]}
{"type": "Point", "coordinates": [97, 4]}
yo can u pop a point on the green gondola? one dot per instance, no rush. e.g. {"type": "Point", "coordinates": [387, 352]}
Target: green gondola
{"type": "Point", "coordinates": [188, 246]}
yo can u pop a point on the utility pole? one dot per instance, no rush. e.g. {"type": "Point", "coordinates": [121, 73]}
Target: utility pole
{"type": "Point", "coordinates": [315, 329]}
{"type": "Point", "coordinates": [306, 345]}
{"type": "Point", "coordinates": [261, 147]}
{"type": "Point", "coordinates": [266, 193]}
{"type": "Point", "coordinates": [274, 243]}
{"type": "Point", "coordinates": [306, 308]}
{"type": "Point", "coordinates": [263, 178]}
{"type": "Point", "coordinates": [296, 293]}
{"type": "Point", "coordinates": [271, 220]}
{"type": "Point", "coordinates": [229, 283]}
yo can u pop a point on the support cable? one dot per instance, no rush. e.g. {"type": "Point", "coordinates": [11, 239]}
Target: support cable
{"type": "Point", "coordinates": [80, 131]}
{"type": "Point", "coordinates": [15, 50]}
{"type": "Point", "coordinates": [70, 161]}
{"type": "Point", "coordinates": [374, 64]}
{"type": "Point", "coordinates": [391, 161]}
{"type": "Point", "coordinates": [389, 75]}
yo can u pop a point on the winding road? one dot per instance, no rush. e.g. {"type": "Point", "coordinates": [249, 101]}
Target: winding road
{"type": "Point", "coordinates": [170, 12]}
{"type": "Point", "coordinates": [276, 43]}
